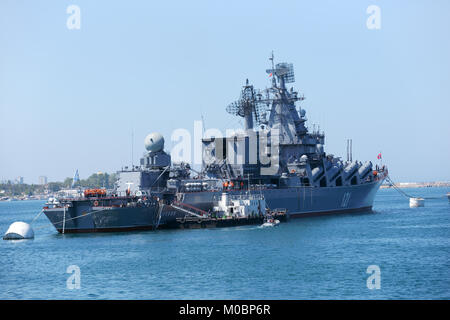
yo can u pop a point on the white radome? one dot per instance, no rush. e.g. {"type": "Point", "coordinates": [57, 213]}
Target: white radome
{"type": "Point", "coordinates": [154, 142]}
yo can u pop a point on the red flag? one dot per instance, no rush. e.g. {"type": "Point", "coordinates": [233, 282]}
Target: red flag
{"type": "Point", "coordinates": [379, 156]}
{"type": "Point", "coordinates": [270, 75]}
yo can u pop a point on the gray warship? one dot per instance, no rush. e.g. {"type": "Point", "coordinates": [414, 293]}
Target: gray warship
{"type": "Point", "coordinates": [274, 156]}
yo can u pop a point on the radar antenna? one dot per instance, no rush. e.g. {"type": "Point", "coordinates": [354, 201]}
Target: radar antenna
{"type": "Point", "coordinates": [250, 106]}
{"type": "Point", "coordinates": [284, 71]}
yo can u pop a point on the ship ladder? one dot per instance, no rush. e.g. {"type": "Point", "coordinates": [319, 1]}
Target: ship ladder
{"type": "Point", "coordinates": [189, 210]}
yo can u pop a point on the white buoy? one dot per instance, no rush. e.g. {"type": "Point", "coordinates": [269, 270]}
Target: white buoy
{"type": "Point", "coordinates": [416, 202]}
{"type": "Point", "coordinates": [19, 230]}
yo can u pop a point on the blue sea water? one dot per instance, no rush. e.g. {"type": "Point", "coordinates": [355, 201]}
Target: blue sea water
{"type": "Point", "coordinates": [309, 258]}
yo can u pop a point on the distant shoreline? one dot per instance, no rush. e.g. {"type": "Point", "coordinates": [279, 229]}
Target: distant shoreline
{"type": "Point", "coordinates": [439, 184]}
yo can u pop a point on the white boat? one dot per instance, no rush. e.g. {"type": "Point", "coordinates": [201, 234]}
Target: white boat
{"type": "Point", "coordinates": [269, 221]}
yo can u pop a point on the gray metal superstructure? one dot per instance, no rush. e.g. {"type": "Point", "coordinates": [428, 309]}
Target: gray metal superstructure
{"type": "Point", "coordinates": [275, 155]}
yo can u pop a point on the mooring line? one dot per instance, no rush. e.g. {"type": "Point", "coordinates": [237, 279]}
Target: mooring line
{"type": "Point", "coordinates": [82, 216]}
{"type": "Point", "coordinates": [160, 209]}
{"type": "Point", "coordinates": [407, 195]}
{"type": "Point", "coordinates": [37, 216]}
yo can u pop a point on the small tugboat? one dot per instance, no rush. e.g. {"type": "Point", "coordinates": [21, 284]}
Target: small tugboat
{"type": "Point", "coordinates": [242, 205]}
{"type": "Point", "coordinates": [230, 211]}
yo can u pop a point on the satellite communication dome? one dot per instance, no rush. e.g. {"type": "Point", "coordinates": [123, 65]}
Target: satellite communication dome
{"type": "Point", "coordinates": [154, 142]}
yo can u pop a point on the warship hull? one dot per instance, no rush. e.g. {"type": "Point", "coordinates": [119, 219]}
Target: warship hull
{"type": "Point", "coordinates": [82, 217]}
{"type": "Point", "coordinates": [304, 201]}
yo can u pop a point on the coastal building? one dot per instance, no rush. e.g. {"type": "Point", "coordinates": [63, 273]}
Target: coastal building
{"type": "Point", "coordinates": [42, 180]}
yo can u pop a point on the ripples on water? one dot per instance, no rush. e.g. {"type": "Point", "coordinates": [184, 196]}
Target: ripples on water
{"type": "Point", "coordinates": [309, 258]}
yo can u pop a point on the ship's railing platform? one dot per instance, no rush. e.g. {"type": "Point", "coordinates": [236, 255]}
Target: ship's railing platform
{"type": "Point", "coordinates": [240, 196]}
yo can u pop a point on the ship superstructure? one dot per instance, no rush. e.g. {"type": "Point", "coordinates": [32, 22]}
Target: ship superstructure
{"type": "Point", "coordinates": [297, 157]}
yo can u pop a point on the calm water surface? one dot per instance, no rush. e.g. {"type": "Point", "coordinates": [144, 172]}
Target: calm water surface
{"type": "Point", "coordinates": [309, 258]}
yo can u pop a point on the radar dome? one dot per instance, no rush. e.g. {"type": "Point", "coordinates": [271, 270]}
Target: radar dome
{"type": "Point", "coordinates": [154, 142]}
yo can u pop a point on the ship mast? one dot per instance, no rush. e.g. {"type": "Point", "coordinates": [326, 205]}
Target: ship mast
{"type": "Point", "coordinates": [253, 104]}
{"type": "Point", "coordinates": [274, 81]}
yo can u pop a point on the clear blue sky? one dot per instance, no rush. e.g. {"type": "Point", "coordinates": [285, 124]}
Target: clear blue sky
{"type": "Point", "coordinates": [70, 98]}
